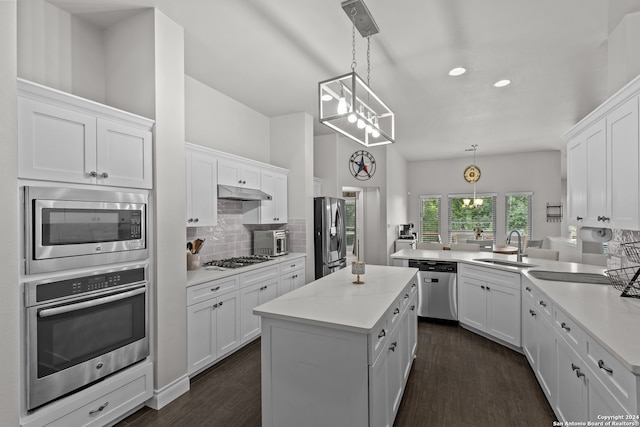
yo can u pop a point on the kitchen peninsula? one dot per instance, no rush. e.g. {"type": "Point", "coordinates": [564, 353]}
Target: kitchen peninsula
{"type": "Point", "coordinates": [337, 353]}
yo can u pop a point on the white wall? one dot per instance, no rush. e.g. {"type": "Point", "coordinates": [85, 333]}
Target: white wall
{"type": "Point", "coordinates": [9, 224]}
{"type": "Point", "coordinates": [622, 50]}
{"type": "Point", "coordinates": [325, 164]}
{"type": "Point", "coordinates": [216, 121]}
{"type": "Point", "coordinates": [538, 172]}
{"type": "Point", "coordinates": [292, 148]}
{"type": "Point", "coordinates": [59, 50]}
{"type": "Point", "coordinates": [397, 199]}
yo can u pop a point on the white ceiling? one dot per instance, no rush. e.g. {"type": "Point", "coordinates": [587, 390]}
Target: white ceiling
{"type": "Point", "coordinates": [270, 55]}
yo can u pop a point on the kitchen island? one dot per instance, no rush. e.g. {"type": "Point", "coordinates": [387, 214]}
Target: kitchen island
{"type": "Point", "coordinates": [336, 353]}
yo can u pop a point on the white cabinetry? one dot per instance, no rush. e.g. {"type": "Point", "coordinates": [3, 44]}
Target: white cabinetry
{"type": "Point", "coordinates": [256, 287]}
{"type": "Point", "coordinates": [202, 187]}
{"type": "Point", "coordinates": [213, 321]}
{"type": "Point", "coordinates": [62, 137]}
{"type": "Point", "coordinates": [603, 154]}
{"type": "Point", "coordinates": [238, 174]}
{"type": "Point", "coordinates": [272, 211]}
{"type": "Point", "coordinates": [490, 302]}
{"type": "Point", "coordinates": [100, 404]}
{"type": "Point", "coordinates": [292, 275]}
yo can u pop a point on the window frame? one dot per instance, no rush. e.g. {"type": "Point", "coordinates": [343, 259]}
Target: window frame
{"type": "Point", "coordinates": [422, 199]}
{"type": "Point", "coordinates": [494, 221]}
{"type": "Point", "coordinates": [529, 234]}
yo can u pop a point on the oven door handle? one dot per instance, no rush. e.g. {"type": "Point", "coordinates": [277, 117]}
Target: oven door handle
{"type": "Point", "coordinates": [92, 303]}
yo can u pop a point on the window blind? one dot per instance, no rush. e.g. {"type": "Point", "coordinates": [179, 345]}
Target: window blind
{"type": "Point", "coordinates": [518, 213]}
{"type": "Point", "coordinates": [429, 218]}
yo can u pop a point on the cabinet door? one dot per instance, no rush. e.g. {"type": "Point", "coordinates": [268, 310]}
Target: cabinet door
{"type": "Point", "coordinates": [228, 323]}
{"type": "Point", "coordinates": [249, 323]}
{"type": "Point", "coordinates": [379, 393]}
{"type": "Point", "coordinates": [597, 204]}
{"type": "Point", "coordinates": [280, 196]}
{"type": "Point", "coordinates": [229, 173]}
{"type": "Point", "coordinates": [201, 334]}
{"type": "Point", "coordinates": [286, 284]}
{"type": "Point", "coordinates": [473, 303]}
{"type": "Point", "coordinates": [298, 278]}
{"type": "Point", "coordinates": [530, 332]}
{"type": "Point", "coordinates": [395, 377]}
{"type": "Point", "coordinates": [124, 157]}
{"type": "Point", "coordinates": [576, 182]}
{"type": "Point", "coordinates": [503, 312]}
{"type": "Point", "coordinates": [570, 387]}
{"type": "Point", "coordinates": [269, 290]}
{"type": "Point", "coordinates": [55, 144]}
{"type": "Point", "coordinates": [412, 316]}
{"type": "Point", "coordinates": [546, 367]}
{"type": "Point", "coordinates": [600, 400]}
{"type": "Point", "coordinates": [250, 176]}
{"type": "Point", "coordinates": [624, 158]}
{"type": "Point", "coordinates": [202, 190]}
{"type": "Point", "coordinates": [267, 207]}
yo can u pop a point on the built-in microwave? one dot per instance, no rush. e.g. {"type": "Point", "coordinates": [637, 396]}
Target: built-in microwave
{"type": "Point", "coordinates": [68, 228]}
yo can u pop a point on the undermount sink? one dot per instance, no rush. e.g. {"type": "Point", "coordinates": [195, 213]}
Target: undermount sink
{"type": "Point", "coordinates": [506, 263]}
{"type": "Point", "coordinates": [561, 276]}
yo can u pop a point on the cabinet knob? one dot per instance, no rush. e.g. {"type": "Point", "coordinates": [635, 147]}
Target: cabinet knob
{"type": "Point", "coordinates": [215, 306]}
{"type": "Point", "coordinates": [195, 219]}
{"type": "Point", "coordinates": [406, 296]}
{"type": "Point", "coordinates": [396, 311]}
{"type": "Point", "coordinates": [579, 373]}
{"type": "Point", "coordinates": [604, 367]}
{"type": "Point", "coordinates": [393, 346]}
{"type": "Point", "coordinates": [382, 333]}
{"type": "Point", "coordinates": [93, 174]}
{"type": "Point", "coordinates": [542, 303]}
{"type": "Point", "coordinates": [578, 218]}
{"type": "Point", "coordinates": [533, 313]}
{"type": "Point", "coordinates": [413, 307]}
{"type": "Point", "coordinates": [220, 303]}
{"type": "Point", "coordinates": [104, 175]}
{"type": "Point", "coordinates": [565, 327]}
{"type": "Point", "coordinates": [190, 220]}
{"type": "Point", "coordinates": [488, 288]}
{"type": "Point", "coordinates": [528, 289]}
{"type": "Point", "coordinates": [574, 367]}
{"type": "Point", "coordinates": [482, 286]}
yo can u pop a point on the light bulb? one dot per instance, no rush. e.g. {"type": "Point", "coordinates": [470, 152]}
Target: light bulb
{"type": "Point", "coordinates": [478, 202]}
{"type": "Point", "coordinates": [352, 118]}
{"type": "Point", "coordinates": [361, 124]}
{"type": "Point", "coordinates": [342, 105]}
{"type": "Point", "coordinates": [375, 133]}
{"type": "Point", "coordinates": [369, 128]}
{"type": "Point", "coordinates": [466, 202]}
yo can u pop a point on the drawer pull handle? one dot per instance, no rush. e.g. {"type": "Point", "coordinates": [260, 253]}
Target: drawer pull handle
{"type": "Point", "coordinates": [528, 289]}
{"type": "Point", "coordinates": [396, 311]}
{"type": "Point", "coordinates": [579, 373]}
{"type": "Point", "coordinates": [413, 307]}
{"type": "Point", "coordinates": [382, 333]}
{"type": "Point", "coordinates": [217, 288]}
{"type": "Point", "coordinates": [292, 265]}
{"type": "Point", "coordinates": [482, 286]}
{"type": "Point", "coordinates": [215, 306]}
{"type": "Point", "coordinates": [542, 303]}
{"type": "Point", "coordinates": [533, 313]}
{"type": "Point", "coordinates": [578, 218]}
{"type": "Point", "coordinates": [488, 288]}
{"type": "Point", "coordinates": [565, 327]}
{"type": "Point", "coordinates": [104, 175]}
{"type": "Point", "coordinates": [393, 346]}
{"type": "Point", "coordinates": [574, 367]}
{"type": "Point", "coordinates": [100, 409]}
{"type": "Point", "coordinates": [406, 296]}
{"type": "Point", "coordinates": [604, 367]}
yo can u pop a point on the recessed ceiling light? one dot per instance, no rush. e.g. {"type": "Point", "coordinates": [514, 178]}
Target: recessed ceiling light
{"type": "Point", "coordinates": [458, 71]}
{"type": "Point", "coordinates": [502, 83]}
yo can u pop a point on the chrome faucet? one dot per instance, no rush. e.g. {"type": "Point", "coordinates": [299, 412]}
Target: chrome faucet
{"type": "Point", "coordinates": [519, 256]}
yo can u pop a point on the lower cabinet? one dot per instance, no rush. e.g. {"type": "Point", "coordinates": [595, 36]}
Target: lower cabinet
{"type": "Point", "coordinates": [490, 302]}
{"type": "Point", "coordinates": [570, 403]}
{"type": "Point", "coordinates": [251, 297]}
{"type": "Point", "coordinates": [213, 330]}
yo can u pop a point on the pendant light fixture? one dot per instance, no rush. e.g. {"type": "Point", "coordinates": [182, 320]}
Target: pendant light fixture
{"type": "Point", "coordinates": [348, 105]}
{"type": "Point", "coordinates": [472, 175]}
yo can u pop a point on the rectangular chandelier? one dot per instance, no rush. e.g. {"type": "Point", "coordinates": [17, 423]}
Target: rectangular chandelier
{"type": "Point", "coordinates": [350, 107]}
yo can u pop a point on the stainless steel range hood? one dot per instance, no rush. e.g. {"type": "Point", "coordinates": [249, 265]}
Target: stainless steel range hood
{"type": "Point", "coordinates": [241, 193]}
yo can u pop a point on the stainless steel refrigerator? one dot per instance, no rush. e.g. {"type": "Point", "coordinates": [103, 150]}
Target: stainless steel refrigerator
{"type": "Point", "coordinates": [330, 237]}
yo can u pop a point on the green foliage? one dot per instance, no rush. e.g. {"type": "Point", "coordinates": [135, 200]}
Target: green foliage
{"type": "Point", "coordinates": [430, 220]}
{"type": "Point", "coordinates": [518, 214]}
{"type": "Point", "coordinates": [468, 219]}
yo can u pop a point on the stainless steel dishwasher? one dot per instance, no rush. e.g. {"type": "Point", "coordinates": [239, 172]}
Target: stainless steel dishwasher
{"type": "Point", "coordinates": [437, 289]}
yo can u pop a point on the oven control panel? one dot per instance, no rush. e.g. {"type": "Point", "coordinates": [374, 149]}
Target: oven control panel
{"type": "Point", "coordinates": [51, 290]}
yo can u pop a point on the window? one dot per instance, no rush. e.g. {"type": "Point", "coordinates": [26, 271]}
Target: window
{"type": "Point", "coordinates": [518, 213]}
{"type": "Point", "coordinates": [430, 218]}
{"type": "Point", "coordinates": [463, 222]}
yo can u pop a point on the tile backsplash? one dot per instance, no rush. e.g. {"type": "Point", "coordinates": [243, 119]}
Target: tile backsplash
{"type": "Point", "coordinates": [616, 254]}
{"type": "Point", "coordinates": [231, 238]}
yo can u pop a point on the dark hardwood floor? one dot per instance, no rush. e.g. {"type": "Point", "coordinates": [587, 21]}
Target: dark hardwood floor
{"type": "Point", "coordinates": [458, 379]}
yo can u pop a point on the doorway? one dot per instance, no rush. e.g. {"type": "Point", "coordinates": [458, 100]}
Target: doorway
{"type": "Point", "coordinates": [354, 223]}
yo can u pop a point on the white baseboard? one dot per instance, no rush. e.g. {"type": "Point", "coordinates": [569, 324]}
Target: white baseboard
{"type": "Point", "coordinates": [169, 393]}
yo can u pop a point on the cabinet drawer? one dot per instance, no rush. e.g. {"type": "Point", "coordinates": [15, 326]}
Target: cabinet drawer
{"type": "Point", "coordinates": [528, 291]}
{"type": "Point", "coordinates": [287, 266]}
{"type": "Point", "coordinates": [489, 275]}
{"type": "Point", "coordinates": [569, 330]}
{"type": "Point", "coordinates": [259, 275]}
{"type": "Point", "coordinates": [395, 312]}
{"type": "Point", "coordinates": [377, 339]}
{"type": "Point", "coordinates": [208, 290]}
{"type": "Point", "coordinates": [544, 305]}
{"type": "Point", "coordinates": [616, 378]}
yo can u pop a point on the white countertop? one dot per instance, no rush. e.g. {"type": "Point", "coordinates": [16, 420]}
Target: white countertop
{"type": "Point", "coordinates": [334, 301]}
{"type": "Point", "coordinates": [201, 275]}
{"type": "Point", "coordinates": [611, 320]}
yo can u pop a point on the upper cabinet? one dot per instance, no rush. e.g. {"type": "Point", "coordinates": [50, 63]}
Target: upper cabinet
{"type": "Point", "coordinates": [272, 211]}
{"type": "Point", "coordinates": [238, 174]}
{"type": "Point", "coordinates": [202, 187]}
{"type": "Point", "coordinates": [62, 137]}
{"type": "Point", "coordinates": [603, 155]}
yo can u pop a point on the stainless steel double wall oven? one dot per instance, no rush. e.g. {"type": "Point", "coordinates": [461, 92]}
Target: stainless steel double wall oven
{"type": "Point", "coordinates": [86, 287]}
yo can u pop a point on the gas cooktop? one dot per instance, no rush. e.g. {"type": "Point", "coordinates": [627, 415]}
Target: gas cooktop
{"type": "Point", "coordinates": [238, 262]}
